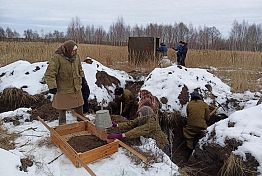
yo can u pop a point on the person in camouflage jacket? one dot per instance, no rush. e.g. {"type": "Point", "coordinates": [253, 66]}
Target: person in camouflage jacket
{"type": "Point", "coordinates": [146, 125]}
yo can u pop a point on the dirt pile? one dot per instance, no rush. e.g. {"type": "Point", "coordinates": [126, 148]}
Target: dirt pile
{"type": "Point", "coordinates": [134, 86]}
{"type": "Point", "coordinates": [13, 98]}
{"type": "Point", "coordinates": [184, 96]}
{"type": "Point", "coordinates": [45, 111]}
{"type": "Point", "coordinates": [88, 61]}
{"type": "Point", "coordinates": [212, 160]}
{"type": "Point", "coordinates": [25, 163]}
{"type": "Point", "coordinates": [104, 79]}
{"type": "Point", "coordinates": [85, 142]}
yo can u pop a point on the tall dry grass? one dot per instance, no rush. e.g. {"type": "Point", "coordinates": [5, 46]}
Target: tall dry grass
{"type": "Point", "coordinates": [239, 69]}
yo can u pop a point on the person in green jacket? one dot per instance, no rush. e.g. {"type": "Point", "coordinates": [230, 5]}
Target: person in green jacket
{"type": "Point", "coordinates": [146, 125]}
{"type": "Point", "coordinates": [197, 116]}
{"type": "Point", "coordinates": [64, 77]}
{"type": "Point", "coordinates": [127, 99]}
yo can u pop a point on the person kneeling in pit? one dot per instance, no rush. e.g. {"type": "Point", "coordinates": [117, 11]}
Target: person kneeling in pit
{"type": "Point", "coordinates": [146, 125]}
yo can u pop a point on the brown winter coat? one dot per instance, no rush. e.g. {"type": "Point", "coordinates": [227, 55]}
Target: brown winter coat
{"type": "Point", "coordinates": [150, 129]}
{"type": "Point", "coordinates": [197, 115]}
{"type": "Point", "coordinates": [128, 101]}
{"type": "Point", "coordinates": [65, 74]}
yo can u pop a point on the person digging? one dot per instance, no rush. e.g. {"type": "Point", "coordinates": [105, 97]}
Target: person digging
{"type": "Point", "coordinates": [146, 125]}
{"type": "Point", "coordinates": [126, 99]}
{"type": "Point", "coordinates": [197, 116]}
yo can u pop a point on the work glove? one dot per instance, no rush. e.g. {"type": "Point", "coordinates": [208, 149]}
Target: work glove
{"type": "Point", "coordinates": [114, 124]}
{"type": "Point", "coordinates": [115, 136]}
{"type": "Point", "coordinates": [52, 91]}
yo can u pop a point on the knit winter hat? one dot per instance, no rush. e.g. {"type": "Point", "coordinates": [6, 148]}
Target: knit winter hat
{"type": "Point", "coordinates": [66, 48]}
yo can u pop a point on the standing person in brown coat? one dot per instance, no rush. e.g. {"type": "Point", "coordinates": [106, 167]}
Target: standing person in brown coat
{"type": "Point", "coordinates": [64, 76]}
{"type": "Point", "coordinates": [197, 116]}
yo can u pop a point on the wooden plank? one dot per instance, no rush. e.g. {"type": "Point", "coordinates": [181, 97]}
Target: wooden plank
{"type": "Point", "coordinates": [79, 116]}
{"type": "Point", "coordinates": [71, 154]}
{"type": "Point", "coordinates": [70, 128]}
{"type": "Point", "coordinates": [61, 140]}
{"type": "Point", "coordinates": [133, 151]}
{"type": "Point", "coordinates": [99, 152]}
{"type": "Point", "coordinates": [214, 111]}
{"type": "Point", "coordinates": [92, 128]}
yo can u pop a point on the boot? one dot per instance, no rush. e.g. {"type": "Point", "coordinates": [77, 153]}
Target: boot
{"type": "Point", "coordinates": [79, 110]}
{"type": "Point", "coordinates": [62, 117]}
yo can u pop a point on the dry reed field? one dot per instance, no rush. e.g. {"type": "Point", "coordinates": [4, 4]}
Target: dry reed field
{"type": "Point", "coordinates": [241, 70]}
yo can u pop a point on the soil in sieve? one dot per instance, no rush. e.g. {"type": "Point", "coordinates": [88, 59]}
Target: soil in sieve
{"type": "Point", "coordinates": [85, 142]}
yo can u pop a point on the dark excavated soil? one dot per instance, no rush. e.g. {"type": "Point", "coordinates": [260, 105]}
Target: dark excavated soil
{"type": "Point", "coordinates": [104, 79]}
{"type": "Point", "coordinates": [184, 96]}
{"type": "Point", "coordinates": [45, 111]}
{"type": "Point", "coordinates": [85, 142]}
{"type": "Point", "coordinates": [25, 163]}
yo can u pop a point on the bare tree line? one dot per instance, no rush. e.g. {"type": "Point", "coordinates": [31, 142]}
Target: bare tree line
{"type": "Point", "coordinates": [243, 36]}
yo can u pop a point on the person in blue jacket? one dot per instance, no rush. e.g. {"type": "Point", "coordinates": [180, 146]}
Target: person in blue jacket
{"type": "Point", "coordinates": [162, 50]}
{"type": "Point", "coordinates": [183, 53]}
{"type": "Point", "coordinates": [179, 52]}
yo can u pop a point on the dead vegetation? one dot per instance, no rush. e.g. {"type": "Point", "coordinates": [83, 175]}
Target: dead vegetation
{"type": "Point", "coordinates": [13, 98]}
{"type": "Point", "coordinates": [240, 69]}
{"type": "Point", "coordinates": [7, 139]}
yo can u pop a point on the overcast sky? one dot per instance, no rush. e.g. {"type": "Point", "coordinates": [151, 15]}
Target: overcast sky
{"type": "Point", "coordinates": [49, 15]}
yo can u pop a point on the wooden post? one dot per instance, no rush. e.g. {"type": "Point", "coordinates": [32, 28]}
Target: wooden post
{"type": "Point", "coordinates": [211, 113]}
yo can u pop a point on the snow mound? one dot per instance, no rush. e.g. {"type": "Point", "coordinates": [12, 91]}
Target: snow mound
{"type": "Point", "coordinates": [244, 126]}
{"type": "Point", "coordinates": [96, 91]}
{"type": "Point", "coordinates": [23, 74]}
{"type": "Point", "coordinates": [29, 77]}
{"type": "Point", "coordinates": [169, 82]}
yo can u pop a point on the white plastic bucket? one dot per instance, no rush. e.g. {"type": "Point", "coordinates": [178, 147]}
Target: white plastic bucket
{"type": "Point", "coordinates": [103, 119]}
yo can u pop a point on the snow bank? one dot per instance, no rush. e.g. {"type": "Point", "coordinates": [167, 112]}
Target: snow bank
{"type": "Point", "coordinates": [29, 77]}
{"type": "Point", "coordinates": [168, 82]}
{"type": "Point", "coordinates": [245, 126]}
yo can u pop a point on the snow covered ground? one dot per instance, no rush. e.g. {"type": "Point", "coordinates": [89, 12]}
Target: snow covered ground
{"type": "Point", "coordinates": [245, 126]}
{"type": "Point", "coordinates": [162, 82]}
{"type": "Point", "coordinates": [29, 77]}
{"type": "Point", "coordinates": [35, 135]}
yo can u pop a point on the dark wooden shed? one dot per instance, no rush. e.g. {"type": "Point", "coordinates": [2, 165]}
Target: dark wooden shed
{"type": "Point", "coordinates": [142, 49]}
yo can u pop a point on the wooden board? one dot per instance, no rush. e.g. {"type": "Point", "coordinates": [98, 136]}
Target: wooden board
{"type": "Point", "coordinates": [68, 151]}
{"type": "Point", "coordinates": [70, 128]}
{"type": "Point", "coordinates": [59, 136]}
{"type": "Point", "coordinates": [99, 152]}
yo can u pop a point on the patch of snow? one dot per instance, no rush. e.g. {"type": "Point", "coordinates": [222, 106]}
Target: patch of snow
{"type": "Point", "coordinates": [247, 127]}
